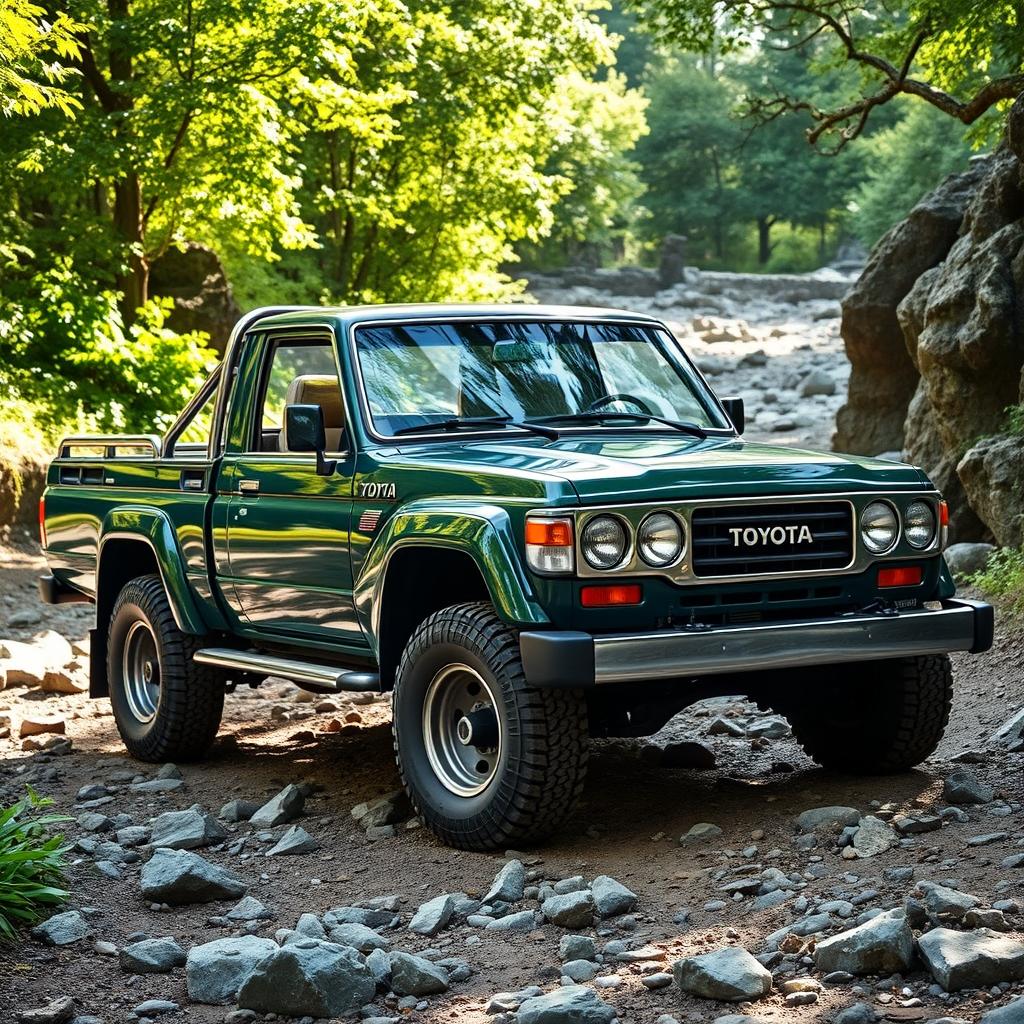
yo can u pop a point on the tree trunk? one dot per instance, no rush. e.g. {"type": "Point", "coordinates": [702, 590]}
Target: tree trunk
{"type": "Point", "coordinates": [764, 239]}
{"type": "Point", "coordinates": [133, 281]}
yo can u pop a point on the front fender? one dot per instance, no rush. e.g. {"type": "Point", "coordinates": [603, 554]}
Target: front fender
{"type": "Point", "coordinates": [482, 531]}
{"type": "Point", "coordinates": [153, 527]}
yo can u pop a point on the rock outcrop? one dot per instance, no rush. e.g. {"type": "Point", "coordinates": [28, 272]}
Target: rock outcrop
{"type": "Point", "coordinates": [935, 335]}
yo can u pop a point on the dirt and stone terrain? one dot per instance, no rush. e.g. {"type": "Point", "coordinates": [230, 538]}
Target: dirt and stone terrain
{"type": "Point", "coordinates": [706, 873]}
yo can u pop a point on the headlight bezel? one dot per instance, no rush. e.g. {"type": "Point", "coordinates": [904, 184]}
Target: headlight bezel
{"type": "Point", "coordinates": [680, 550]}
{"type": "Point", "coordinates": [627, 542]}
{"type": "Point", "coordinates": [933, 524]}
{"type": "Point", "coordinates": [897, 520]}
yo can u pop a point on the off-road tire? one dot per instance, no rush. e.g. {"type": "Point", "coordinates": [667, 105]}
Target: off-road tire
{"type": "Point", "coordinates": [877, 718]}
{"type": "Point", "coordinates": [541, 773]}
{"type": "Point", "coordinates": [191, 696]}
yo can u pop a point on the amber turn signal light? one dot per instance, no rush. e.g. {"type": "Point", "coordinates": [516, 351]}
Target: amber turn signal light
{"type": "Point", "coordinates": [604, 595]}
{"type": "Point", "coordinates": [549, 545]}
{"type": "Point", "coordinates": [900, 576]}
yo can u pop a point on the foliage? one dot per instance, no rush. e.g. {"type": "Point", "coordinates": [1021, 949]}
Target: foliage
{"type": "Point", "coordinates": [31, 863]}
{"type": "Point", "coordinates": [902, 164]}
{"type": "Point", "coordinates": [1003, 577]}
{"type": "Point", "coordinates": [964, 58]}
{"type": "Point", "coordinates": [1015, 419]}
{"type": "Point", "coordinates": [32, 44]}
{"type": "Point", "coordinates": [66, 349]}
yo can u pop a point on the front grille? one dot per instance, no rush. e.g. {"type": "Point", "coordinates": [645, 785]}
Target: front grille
{"type": "Point", "coordinates": [801, 537]}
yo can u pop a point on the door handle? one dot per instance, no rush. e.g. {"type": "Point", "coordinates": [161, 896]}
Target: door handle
{"type": "Point", "coordinates": [248, 487]}
{"type": "Point", "coordinates": [193, 480]}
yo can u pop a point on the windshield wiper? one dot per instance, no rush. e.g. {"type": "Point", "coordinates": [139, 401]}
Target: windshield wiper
{"type": "Point", "coordinates": [469, 422]}
{"type": "Point", "coordinates": [621, 417]}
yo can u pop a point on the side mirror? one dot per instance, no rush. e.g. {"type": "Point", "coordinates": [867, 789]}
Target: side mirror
{"type": "Point", "coordinates": [306, 433]}
{"type": "Point", "coordinates": [734, 410]}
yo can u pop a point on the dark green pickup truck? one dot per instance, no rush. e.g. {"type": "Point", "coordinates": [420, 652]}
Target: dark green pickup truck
{"type": "Point", "coordinates": [531, 524]}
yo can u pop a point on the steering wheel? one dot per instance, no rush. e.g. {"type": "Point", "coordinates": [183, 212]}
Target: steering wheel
{"type": "Point", "coordinates": [620, 396]}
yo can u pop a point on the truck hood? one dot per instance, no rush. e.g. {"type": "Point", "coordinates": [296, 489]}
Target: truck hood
{"type": "Point", "coordinates": [618, 468]}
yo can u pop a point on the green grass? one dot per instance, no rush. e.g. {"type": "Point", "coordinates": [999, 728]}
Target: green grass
{"type": "Point", "coordinates": [1003, 577]}
{"type": "Point", "coordinates": [31, 864]}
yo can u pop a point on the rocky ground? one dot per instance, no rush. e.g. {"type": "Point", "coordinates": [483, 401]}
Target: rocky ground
{"type": "Point", "coordinates": [707, 872]}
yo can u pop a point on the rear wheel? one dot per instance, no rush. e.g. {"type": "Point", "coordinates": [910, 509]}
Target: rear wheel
{"type": "Point", "coordinates": [874, 718]}
{"type": "Point", "coordinates": [165, 705]}
{"type": "Point", "coordinates": [487, 760]}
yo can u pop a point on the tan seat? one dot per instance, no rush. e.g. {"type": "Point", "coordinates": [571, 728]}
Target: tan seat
{"type": "Point", "coordinates": [322, 390]}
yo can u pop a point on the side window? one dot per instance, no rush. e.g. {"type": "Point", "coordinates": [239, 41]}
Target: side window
{"type": "Point", "coordinates": [193, 438]}
{"type": "Point", "coordinates": [299, 372]}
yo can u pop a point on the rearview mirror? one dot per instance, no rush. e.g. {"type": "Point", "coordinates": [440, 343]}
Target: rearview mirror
{"type": "Point", "coordinates": [306, 433]}
{"type": "Point", "coordinates": [734, 410]}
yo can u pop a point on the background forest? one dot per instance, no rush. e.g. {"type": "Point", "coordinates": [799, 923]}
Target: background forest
{"type": "Point", "coordinates": [351, 151]}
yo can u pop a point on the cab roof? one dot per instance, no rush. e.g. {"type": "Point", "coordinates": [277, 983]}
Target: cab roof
{"type": "Point", "coordinates": [347, 316]}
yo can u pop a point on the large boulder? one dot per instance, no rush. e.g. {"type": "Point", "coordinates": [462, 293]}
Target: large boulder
{"type": "Point", "coordinates": [992, 473]}
{"type": "Point", "coordinates": [309, 978]}
{"type": "Point", "coordinates": [730, 974]}
{"type": "Point", "coordinates": [974, 959]}
{"type": "Point", "coordinates": [883, 376]}
{"type": "Point", "coordinates": [194, 278]}
{"type": "Point", "coordinates": [215, 971]}
{"type": "Point", "coordinates": [180, 876]}
{"type": "Point", "coordinates": [881, 945]}
{"type": "Point", "coordinates": [573, 1004]}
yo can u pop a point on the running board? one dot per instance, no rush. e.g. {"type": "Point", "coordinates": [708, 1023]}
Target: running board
{"type": "Point", "coordinates": [307, 674]}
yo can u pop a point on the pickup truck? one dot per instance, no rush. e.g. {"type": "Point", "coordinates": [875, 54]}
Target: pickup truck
{"type": "Point", "coordinates": [531, 525]}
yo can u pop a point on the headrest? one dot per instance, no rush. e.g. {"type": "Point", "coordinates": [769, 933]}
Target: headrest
{"type": "Point", "coordinates": [322, 390]}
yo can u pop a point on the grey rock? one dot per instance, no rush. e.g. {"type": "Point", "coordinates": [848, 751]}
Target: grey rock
{"type": "Point", "coordinates": [59, 1011]}
{"type": "Point", "coordinates": [62, 929]}
{"type": "Point", "coordinates": [186, 830]}
{"type": "Point", "coordinates": [916, 824]}
{"type": "Point", "coordinates": [1009, 735]}
{"type": "Point", "coordinates": [993, 919]}
{"type": "Point", "coordinates": [730, 974]}
{"type": "Point", "coordinates": [309, 925]}
{"type": "Point", "coordinates": [573, 1004]}
{"type": "Point", "coordinates": [966, 559]}
{"type": "Point", "coordinates": [155, 1007]}
{"type": "Point", "coordinates": [972, 959]}
{"type": "Point", "coordinates": [151, 956]}
{"type": "Point", "coordinates": [508, 883]}
{"type": "Point", "coordinates": [433, 916]}
{"type": "Point", "coordinates": [611, 898]}
{"type": "Point", "coordinates": [238, 810]}
{"type": "Point", "coordinates": [577, 947]}
{"type": "Point", "coordinates": [817, 382]}
{"type": "Point", "coordinates": [687, 754]}
{"type": "Point", "coordinates": [93, 821]}
{"type": "Point", "coordinates": [882, 945]}
{"type": "Point", "coordinates": [169, 771]}
{"type": "Point", "coordinates": [574, 884]}
{"type": "Point", "coordinates": [873, 837]}
{"type": "Point", "coordinates": [180, 876]}
{"type": "Point", "coordinates": [523, 921]}
{"type": "Point", "coordinates": [415, 976]}
{"type": "Point", "coordinates": [830, 817]}
{"type": "Point", "coordinates": [94, 791]}
{"type": "Point", "coordinates": [573, 910]}
{"type": "Point", "coordinates": [964, 787]}
{"type": "Point", "coordinates": [858, 1013]}
{"type": "Point", "coordinates": [132, 835]}
{"type": "Point", "coordinates": [391, 809]}
{"type": "Point", "coordinates": [314, 978]}
{"type": "Point", "coordinates": [358, 936]}
{"type": "Point", "coordinates": [942, 902]}
{"type": "Point", "coordinates": [1011, 1013]}
{"type": "Point", "coordinates": [280, 810]}
{"type": "Point", "coordinates": [215, 971]}
{"type": "Point", "coordinates": [157, 786]}
{"type": "Point", "coordinates": [249, 909]}
{"type": "Point", "coordinates": [702, 832]}
{"type": "Point", "coordinates": [579, 970]}
{"type": "Point", "coordinates": [369, 916]}
{"type": "Point", "coordinates": [295, 841]}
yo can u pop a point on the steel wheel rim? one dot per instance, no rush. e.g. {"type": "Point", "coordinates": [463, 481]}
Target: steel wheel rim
{"type": "Point", "coordinates": [460, 711]}
{"type": "Point", "coordinates": [140, 669]}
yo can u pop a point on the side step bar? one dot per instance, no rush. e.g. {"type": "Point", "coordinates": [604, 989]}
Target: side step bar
{"type": "Point", "coordinates": [307, 674]}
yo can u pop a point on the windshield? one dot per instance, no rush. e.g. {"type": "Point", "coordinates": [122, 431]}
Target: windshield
{"type": "Point", "coordinates": [418, 374]}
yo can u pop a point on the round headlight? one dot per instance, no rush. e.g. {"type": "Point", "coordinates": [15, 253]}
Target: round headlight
{"type": "Point", "coordinates": [879, 527]}
{"type": "Point", "coordinates": [660, 539]}
{"type": "Point", "coordinates": [919, 524]}
{"type": "Point", "coordinates": [603, 542]}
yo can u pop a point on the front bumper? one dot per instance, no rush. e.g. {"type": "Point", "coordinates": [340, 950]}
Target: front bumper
{"type": "Point", "coordinates": [572, 659]}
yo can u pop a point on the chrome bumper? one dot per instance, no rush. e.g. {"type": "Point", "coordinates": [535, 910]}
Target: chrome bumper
{"type": "Point", "coordinates": [572, 659]}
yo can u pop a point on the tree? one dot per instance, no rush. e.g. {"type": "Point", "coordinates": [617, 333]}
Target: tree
{"type": "Point", "coordinates": [32, 46]}
{"type": "Point", "coordinates": [964, 58]}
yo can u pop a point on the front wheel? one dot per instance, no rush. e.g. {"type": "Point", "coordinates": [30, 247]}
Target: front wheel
{"type": "Point", "coordinates": [488, 761]}
{"type": "Point", "coordinates": [875, 718]}
{"type": "Point", "coordinates": [165, 705]}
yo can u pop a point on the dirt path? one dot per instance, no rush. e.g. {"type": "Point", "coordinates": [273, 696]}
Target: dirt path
{"type": "Point", "coordinates": [628, 826]}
